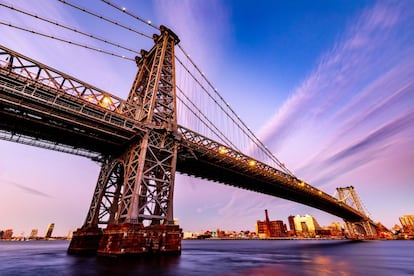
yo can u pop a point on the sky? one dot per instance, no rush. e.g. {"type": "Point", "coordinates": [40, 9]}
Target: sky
{"type": "Point", "coordinates": [328, 86]}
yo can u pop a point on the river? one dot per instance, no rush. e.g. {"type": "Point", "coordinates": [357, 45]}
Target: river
{"type": "Point", "coordinates": [220, 257]}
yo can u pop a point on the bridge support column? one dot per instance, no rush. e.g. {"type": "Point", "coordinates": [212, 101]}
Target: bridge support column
{"type": "Point", "coordinates": [85, 241]}
{"type": "Point", "coordinates": [135, 239]}
{"type": "Point", "coordinates": [364, 229]}
{"type": "Point", "coordinates": [135, 188]}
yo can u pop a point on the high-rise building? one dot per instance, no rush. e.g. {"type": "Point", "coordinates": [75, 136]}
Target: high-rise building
{"type": "Point", "coordinates": [270, 229]}
{"type": "Point", "coordinates": [407, 223]}
{"type": "Point", "coordinates": [49, 231]}
{"type": "Point", "coordinates": [305, 226]}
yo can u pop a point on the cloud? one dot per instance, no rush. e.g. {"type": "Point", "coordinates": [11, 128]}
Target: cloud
{"type": "Point", "coordinates": [375, 138]}
{"type": "Point", "coordinates": [357, 100]}
{"type": "Point", "coordinates": [28, 189]}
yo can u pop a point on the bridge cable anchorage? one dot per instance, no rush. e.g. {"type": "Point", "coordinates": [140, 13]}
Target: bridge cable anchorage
{"type": "Point", "coordinates": [123, 9]}
{"type": "Point", "coordinates": [249, 133]}
{"type": "Point", "coordinates": [67, 41]}
{"type": "Point", "coordinates": [219, 133]}
{"type": "Point", "coordinates": [106, 19]}
{"type": "Point", "coordinates": [55, 23]}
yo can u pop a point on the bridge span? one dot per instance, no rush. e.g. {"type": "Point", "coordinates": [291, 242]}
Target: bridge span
{"type": "Point", "coordinates": [41, 102]}
{"type": "Point", "coordinates": [140, 145]}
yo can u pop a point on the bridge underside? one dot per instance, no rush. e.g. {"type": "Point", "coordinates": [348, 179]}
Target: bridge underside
{"type": "Point", "coordinates": [219, 169]}
{"type": "Point", "coordinates": [41, 112]}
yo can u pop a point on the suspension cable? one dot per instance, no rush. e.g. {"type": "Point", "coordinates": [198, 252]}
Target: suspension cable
{"type": "Point", "coordinates": [206, 118]}
{"type": "Point", "coordinates": [256, 140]}
{"type": "Point", "coordinates": [123, 9]}
{"type": "Point", "coordinates": [104, 18]}
{"type": "Point", "coordinates": [67, 41]}
{"type": "Point", "coordinates": [249, 133]}
{"type": "Point", "coordinates": [69, 28]}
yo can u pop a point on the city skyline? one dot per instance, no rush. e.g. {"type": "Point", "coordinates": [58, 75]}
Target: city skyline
{"type": "Point", "coordinates": [328, 87]}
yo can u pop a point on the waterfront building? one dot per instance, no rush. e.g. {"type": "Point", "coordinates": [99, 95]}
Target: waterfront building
{"type": "Point", "coordinates": [33, 234]}
{"type": "Point", "coordinates": [306, 226]}
{"type": "Point", "coordinates": [49, 231]}
{"type": "Point", "coordinates": [292, 225]}
{"type": "Point", "coordinates": [336, 229]}
{"type": "Point", "coordinates": [270, 229]}
{"type": "Point", "coordinates": [407, 223]}
{"type": "Point", "coordinates": [189, 235]}
{"type": "Point", "coordinates": [7, 234]}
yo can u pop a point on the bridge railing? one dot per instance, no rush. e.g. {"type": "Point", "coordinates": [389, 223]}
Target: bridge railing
{"type": "Point", "coordinates": [11, 85]}
{"type": "Point", "coordinates": [33, 70]}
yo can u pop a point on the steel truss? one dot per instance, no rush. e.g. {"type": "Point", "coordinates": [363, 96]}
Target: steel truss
{"type": "Point", "coordinates": [364, 228]}
{"type": "Point", "coordinates": [17, 64]}
{"type": "Point", "coordinates": [41, 102]}
{"type": "Point", "coordinates": [148, 164]}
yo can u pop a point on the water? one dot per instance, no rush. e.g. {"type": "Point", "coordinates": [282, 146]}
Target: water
{"type": "Point", "coordinates": [220, 257]}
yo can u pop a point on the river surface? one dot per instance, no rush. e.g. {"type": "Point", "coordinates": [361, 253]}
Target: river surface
{"type": "Point", "coordinates": [220, 257]}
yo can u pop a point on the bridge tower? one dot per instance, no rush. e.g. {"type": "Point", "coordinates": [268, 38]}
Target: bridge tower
{"type": "Point", "coordinates": [364, 229]}
{"type": "Point", "coordinates": [134, 192]}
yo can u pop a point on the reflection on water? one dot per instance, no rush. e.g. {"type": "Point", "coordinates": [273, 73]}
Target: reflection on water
{"type": "Point", "coordinates": [219, 257]}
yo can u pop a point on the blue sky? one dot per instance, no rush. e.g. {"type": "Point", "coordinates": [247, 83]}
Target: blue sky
{"type": "Point", "coordinates": [327, 85]}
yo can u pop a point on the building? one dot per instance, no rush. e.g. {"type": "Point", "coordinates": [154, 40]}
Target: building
{"type": "Point", "coordinates": [7, 234]}
{"type": "Point", "coordinates": [270, 229]}
{"type": "Point", "coordinates": [33, 234]}
{"type": "Point", "coordinates": [291, 221]}
{"type": "Point", "coordinates": [306, 226]}
{"type": "Point", "coordinates": [336, 229]}
{"type": "Point", "coordinates": [407, 223]}
{"type": "Point", "coordinates": [49, 231]}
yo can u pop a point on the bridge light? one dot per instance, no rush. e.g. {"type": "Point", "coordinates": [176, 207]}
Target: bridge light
{"type": "Point", "coordinates": [222, 150]}
{"type": "Point", "coordinates": [252, 163]}
{"type": "Point", "coordinates": [302, 184]}
{"type": "Point", "coordinates": [320, 192]}
{"type": "Point", "coordinates": [105, 102]}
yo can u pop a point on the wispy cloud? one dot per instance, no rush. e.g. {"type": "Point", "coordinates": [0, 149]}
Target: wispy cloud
{"type": "Point", "coordinates": [357, 102]}
{"type": "Point", "coordinates": [28, 189]}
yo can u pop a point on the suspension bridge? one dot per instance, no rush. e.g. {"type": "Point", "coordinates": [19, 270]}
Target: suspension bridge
{"type": "Point", "coordinates": [173, 120]}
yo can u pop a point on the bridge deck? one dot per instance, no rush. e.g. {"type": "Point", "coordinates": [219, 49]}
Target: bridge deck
{"type": "Point", "coordinates": [30, 107]}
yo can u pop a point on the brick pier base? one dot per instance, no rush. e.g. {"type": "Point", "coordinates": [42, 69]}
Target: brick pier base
{"type": "Point", "coordinates": [127, 239]}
